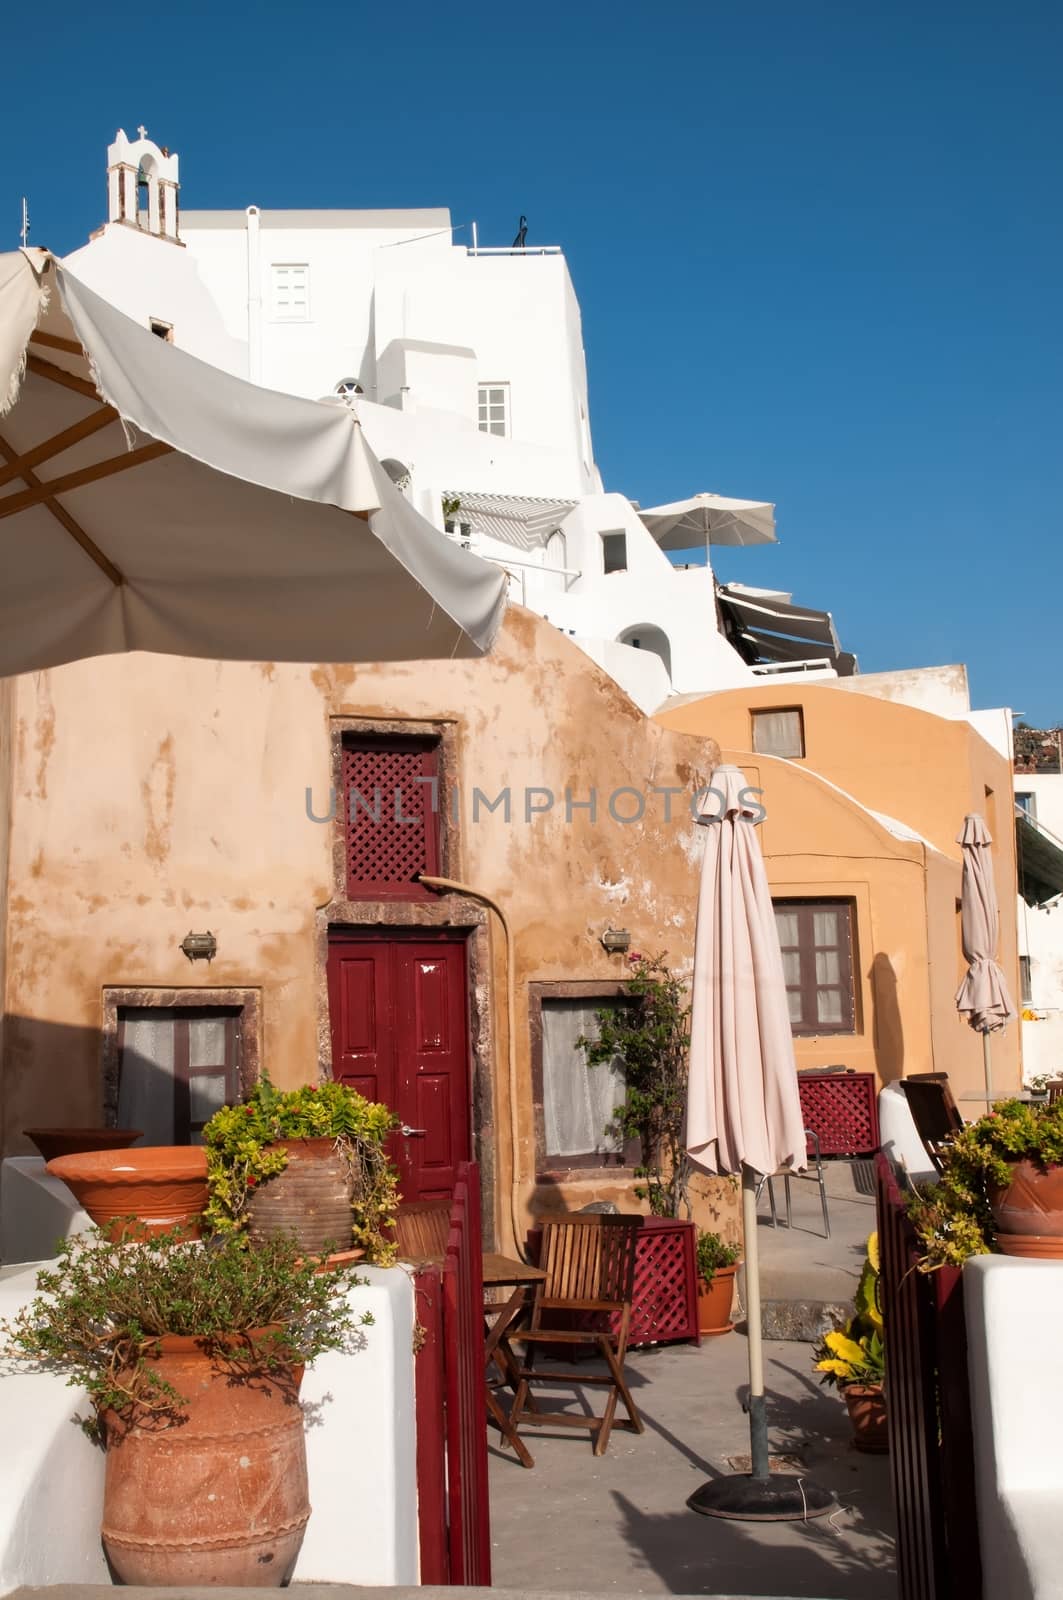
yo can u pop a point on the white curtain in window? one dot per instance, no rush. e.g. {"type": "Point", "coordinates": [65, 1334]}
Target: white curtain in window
{"type": "Point", "coordinates": [145, 1087]}
{"type": "Point", "coordinates": [579, 1101]}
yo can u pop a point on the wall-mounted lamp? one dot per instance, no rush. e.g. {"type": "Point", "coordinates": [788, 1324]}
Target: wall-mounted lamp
{"type": "Point", "coordinates": [616, 941]}
{"type": "Point", "coordinates": [200, 946]}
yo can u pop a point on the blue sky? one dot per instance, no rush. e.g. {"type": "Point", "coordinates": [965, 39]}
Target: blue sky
{"type": "Point", "coordinates": [818, 247]}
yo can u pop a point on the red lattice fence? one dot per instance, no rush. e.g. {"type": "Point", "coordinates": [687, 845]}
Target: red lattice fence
{"type": "Point", "coordinates": [664, 1308]}
{"type": "Point", "coordinates": [390, 816]}
{"type": "Point", "coordinates": [842, 1108]}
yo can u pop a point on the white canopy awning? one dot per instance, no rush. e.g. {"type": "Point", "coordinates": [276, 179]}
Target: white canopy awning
{"type": "Point", "coordinates": [710, 519]}
{"type": "Point", "coordinates": [150, 501]}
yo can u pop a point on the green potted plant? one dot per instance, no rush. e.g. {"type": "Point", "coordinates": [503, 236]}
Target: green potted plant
{"type": "Point", "coordinates": [191, 1356]}
{"type": "Point", "coordinates": [651, 1040]}
{"type": "Point", "coordinates": [853, 1359]}
{"type": "Point", "coordinates": [717, 1265]}
{"type": "Point", "coordinates": [308, 1162]}
{"type": "Point", "coordinates": [1000, 1189]}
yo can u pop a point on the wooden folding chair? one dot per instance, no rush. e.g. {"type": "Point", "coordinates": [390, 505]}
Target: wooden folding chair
{"type": "Point", "coordinates": [421, 1229]}
{"type": "Point", "coordinates": [935, 1113]}
{"type": "Point", "coordinates": [589, 1263]}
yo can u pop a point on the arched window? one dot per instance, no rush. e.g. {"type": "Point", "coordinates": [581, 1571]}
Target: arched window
{"type": "Point", "coordinates": [398, 472]}
{"type": "Point", "coordinates": [555, 556]}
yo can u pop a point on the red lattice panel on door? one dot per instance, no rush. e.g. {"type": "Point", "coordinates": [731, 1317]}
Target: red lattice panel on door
{"type": "Point", "coordinates": [842, 1108]}
{"type": "Point", "coordinates": [390, 818]}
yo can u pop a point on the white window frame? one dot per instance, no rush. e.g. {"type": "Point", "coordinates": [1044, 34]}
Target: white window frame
{"type": "Point", "coordinates": [288, 316]}
{"type": "Point", "coordinates": [484, 420]}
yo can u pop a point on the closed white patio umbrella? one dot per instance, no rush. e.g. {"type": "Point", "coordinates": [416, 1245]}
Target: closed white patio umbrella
{"type": "Point", "coordinates": [743, 1108]}
{"type": "Point", "coordinates": [711, 519]}
{"type": "Point", "coordinates": [983, 997]}
{"type": "Point", "coordinates": [150, 501]}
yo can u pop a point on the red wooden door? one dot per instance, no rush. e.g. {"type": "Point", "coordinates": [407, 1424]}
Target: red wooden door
{"type": "Point", "coordinates": [399, 1034]}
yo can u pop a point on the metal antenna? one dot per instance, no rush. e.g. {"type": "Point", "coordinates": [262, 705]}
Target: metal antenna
{"type": "Point", "coordinates": [25, 229]}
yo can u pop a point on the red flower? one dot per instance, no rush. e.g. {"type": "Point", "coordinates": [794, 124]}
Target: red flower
{"type": "Point", "coordinates": [249, 1111]}
{"type": "Point", "coordinates": [251, 1181]}
{"type": "Point", "coordinates": [635, 955]}
{"type": "Point", "coordinates": [311, 1088]}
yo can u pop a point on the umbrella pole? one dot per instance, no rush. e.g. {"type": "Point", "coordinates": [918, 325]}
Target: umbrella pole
{"type": "Point", "coordinates": [759, 1495]}
{"type": "Point", "coordinates": [988, 1065]}
{"type": "Point", "coordinates": [758, 1416]}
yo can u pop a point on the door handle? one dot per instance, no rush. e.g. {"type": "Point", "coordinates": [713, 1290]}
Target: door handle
{"type": "Point", "coordinates": [412, 1133]}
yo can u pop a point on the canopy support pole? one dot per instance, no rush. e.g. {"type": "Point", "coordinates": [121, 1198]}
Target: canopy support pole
{"type": "Point", "coordinates": [987, 1064]}
{"type": "Point", "coordinates": [759, 1495]}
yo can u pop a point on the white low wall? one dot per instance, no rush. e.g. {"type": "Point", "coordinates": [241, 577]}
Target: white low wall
{"type": "Point", "coordinates": [36, 1211]}
{"type": "Point", "coordinates": [1014, 1315]}
{"type": "Point", "coordinates": [361, 1457]}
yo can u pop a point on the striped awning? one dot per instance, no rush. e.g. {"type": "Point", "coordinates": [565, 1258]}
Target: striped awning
{"type": "Point", "coordinates": [524, 521]}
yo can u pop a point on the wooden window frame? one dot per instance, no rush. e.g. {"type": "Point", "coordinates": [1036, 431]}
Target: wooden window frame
{"type": "Point", "coordinates": [550, 1167]}
{"type": "Point", "coordinates": [232, 1015]}
{"type": "Point", "coordinates": [777, 711]}
{"type": "Point", "coordinates": [806, 907]}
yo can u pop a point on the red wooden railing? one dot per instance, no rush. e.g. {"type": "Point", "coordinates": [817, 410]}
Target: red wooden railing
{"type": "Point", "coordinates": [928, 1406]}
{"type": "Point", "coordinates": [453, 1505]}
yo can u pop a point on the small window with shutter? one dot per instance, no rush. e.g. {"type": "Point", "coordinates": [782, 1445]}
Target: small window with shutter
{"type": "Point", "coordinates": [779, 733]}
{"type": "Point", "coordinates": [391, 815]}
{"type": "Point", "coordinates": [290, 291]}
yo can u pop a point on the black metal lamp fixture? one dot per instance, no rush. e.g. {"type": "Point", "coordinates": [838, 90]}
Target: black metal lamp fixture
{"type": "Point", "coordinates": [200, 946]}
{"type": "Point", "coordinates": [616, 941]}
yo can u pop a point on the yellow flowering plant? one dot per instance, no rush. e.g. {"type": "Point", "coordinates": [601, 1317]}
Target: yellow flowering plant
{"type": "Point", "coordinates": [856, 1354]}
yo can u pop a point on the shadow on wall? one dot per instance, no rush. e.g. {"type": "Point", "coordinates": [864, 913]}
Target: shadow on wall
{"type": "Point", "coordinates": [888, 1029]}
{"type": "Point", "coordinates": [52, 1078]}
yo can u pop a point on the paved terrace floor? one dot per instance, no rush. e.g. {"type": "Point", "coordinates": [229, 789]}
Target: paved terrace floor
{"type": "Point", "coordinates": [620, 1525]}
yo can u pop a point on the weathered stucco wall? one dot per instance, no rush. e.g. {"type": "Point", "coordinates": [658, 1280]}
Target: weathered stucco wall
{"type": "Point", "coordinates": [7, 728]}
{"type": "Point", "coordinates": [925, 772]}
{"type": "Point", "coordinates": [155, 795]}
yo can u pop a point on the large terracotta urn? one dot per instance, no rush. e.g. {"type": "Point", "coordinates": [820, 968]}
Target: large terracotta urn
{"type": "Point", "coordinates": [216, 1493]}
{"type": "Point", "coordinates": [54, 1142]}
{"type": "Point", "coordinates": [714, 1302]}
{"type": "Point", "coordinates": [310, 1199]}
{"type": "Point", "coordinates": [1028, 1212]}
{"type": "Point", "coordinates": [162, 1187]}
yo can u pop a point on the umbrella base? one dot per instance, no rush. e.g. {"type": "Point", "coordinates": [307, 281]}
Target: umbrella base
{"type": "Point", "coordinates": [780, 1497]}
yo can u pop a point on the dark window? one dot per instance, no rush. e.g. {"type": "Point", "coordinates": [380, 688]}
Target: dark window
{"type": "Point", "coordinates": [391, 807]}
{"type": "Point", "coordinates": [779, 733]}
{"type": "Point", "coordinates": [816, 939]}
{"type": "Point", "coordinates": [614, 552]}
{"type": "Point", "coordinates": [162, 330]}
{"type": "Point", "coordinates": [1026, 980]}
{"type": "Point", "coordinates": [176, 1066]}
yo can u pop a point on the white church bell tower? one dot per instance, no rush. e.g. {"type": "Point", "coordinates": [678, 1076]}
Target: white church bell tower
{"type": "Point", "coordinates": [142, 185]}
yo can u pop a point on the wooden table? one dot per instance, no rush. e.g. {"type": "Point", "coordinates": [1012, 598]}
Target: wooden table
{"type": "Point", "coordinates": [502, 1272]}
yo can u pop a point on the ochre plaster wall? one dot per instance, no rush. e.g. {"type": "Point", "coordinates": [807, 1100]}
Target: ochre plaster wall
{"type": "Point", "coordinates": [919, 769]}
{"type": "Point", "coordinates": [154, 796]}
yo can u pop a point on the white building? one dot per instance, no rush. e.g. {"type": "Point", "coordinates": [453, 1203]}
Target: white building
{"type": "Point", "coordinates": [466, 368]}
{"type": "Point", "coordinates": [1039, 844]}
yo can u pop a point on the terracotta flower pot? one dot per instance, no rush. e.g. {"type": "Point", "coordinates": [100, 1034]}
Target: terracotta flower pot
{"type": "Point", "coordinates": [1028, 1213]}
{"type": "Point", "coordinates": [219, 1498]}
{"type": "Point", "coordinates": [866, 1403]}
{"type": "Point", "coordinates": [310, 1199]}
{"type": "Point", "coordinates": [714, 1302]}
{"type": "Point", "coordinates": [163, 1186]}
{"type": "Point", "coordinates": [55, 1142]}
